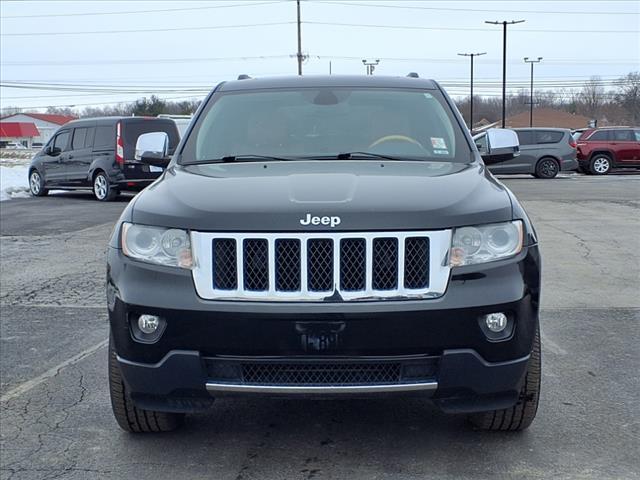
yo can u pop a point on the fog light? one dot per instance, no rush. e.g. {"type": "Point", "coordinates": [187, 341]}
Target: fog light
{"type": "Point", "coordinates": [496, 322]}
{"type": "Point", "coordinates": [148, 323]}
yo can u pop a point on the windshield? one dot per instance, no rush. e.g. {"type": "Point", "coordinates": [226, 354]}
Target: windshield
{"type": "Point", "coordinates": [325, 122]}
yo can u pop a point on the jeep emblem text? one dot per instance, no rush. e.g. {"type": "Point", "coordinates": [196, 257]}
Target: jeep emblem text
{"type": "Point", "coordinates": [310, 220]}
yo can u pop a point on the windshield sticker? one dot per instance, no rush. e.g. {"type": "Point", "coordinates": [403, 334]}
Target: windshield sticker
{"type": "Point", "coordinates": [438, 142]}
{"type": "Point", "coordinates": [441, 152]}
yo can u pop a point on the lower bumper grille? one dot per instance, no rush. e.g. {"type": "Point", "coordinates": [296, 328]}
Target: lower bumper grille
{"type": "Point", "coordinates": [321, 373]}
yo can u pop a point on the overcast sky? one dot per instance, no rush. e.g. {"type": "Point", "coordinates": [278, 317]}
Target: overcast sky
{"type": "Point", "coordinates": [188, 47]}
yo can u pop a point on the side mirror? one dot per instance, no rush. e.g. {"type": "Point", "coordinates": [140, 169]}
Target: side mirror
{"type": "Point", "coordinates": [153, 149]}
{"type": "Point", "coordinates": [501, 144]}
{"type": "Point", "coordinates": [53, 151]}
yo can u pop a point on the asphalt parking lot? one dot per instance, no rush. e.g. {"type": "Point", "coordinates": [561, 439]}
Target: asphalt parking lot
{"type": "Point", "coordinates": [56, 420]}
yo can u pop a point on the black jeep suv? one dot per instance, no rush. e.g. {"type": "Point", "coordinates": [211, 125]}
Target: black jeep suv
{"type": "Point", "coordinates": [325, 236]}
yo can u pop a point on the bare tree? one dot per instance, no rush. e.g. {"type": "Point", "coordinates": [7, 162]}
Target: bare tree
{"type": "Point", "coordinates": [592, 96]}
{"type": "Point", "coordinates": [628, 96]}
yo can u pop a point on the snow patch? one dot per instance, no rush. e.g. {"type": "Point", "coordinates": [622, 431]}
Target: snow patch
{"type": "Point", "coordinates": [14, 182]}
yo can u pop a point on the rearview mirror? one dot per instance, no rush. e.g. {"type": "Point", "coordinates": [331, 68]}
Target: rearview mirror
{"type": "Point", "coordinates": [152, 148]}
{"type": "Point", "coordinates": [499, 145]}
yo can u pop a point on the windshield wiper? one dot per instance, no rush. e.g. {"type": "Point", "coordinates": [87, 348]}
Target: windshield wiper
{"type": "Point", "coordinates": [356, 155]}
{"type": "Point", "coordinates": [241, 158]}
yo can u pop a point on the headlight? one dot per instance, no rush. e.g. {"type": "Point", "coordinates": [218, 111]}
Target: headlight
{"type": "Point", "coordinates": [164, 246]}
{"type": "Point", "coordinates": [485, 243]}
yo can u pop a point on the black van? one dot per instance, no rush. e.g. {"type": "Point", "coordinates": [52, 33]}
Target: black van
{"type": "Point", "coordinates": [98, 154]}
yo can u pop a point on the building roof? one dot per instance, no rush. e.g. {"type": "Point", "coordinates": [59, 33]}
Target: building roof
{"type": "Point", "coordinates": [548, 117]}
{"type": "Point", "coordinates": [46, 117]}
{"type": "Point", "coordinates": [18, 129]}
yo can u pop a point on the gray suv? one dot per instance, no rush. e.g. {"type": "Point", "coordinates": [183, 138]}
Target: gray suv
{"type": "Point", "coordinates": [543, 152]}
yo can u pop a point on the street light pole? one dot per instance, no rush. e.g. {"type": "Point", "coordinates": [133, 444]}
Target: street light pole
{"type": "Point", "coordinates": [526, 60]}
{"type": "Point", "coordinates": [299, 40]}
{"type": "Point", "coordinates": [371, 66]}
{"type": "Point", "coordinates": [471, 98]}
{"type": "Point", "coordinates": [504, 63]}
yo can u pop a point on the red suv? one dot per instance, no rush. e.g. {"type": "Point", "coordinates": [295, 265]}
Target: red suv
{"type": "Point", "coordinates": [600, 150]}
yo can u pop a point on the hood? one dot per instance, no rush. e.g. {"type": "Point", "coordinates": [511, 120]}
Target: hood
{"type": "Point", "coordinates": [286, 196]}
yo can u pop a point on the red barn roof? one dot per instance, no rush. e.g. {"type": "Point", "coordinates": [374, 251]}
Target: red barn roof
{"type": "Point", "coordinates": [18, 129]}
{"type": "Point", "coordinates": [47, 117]}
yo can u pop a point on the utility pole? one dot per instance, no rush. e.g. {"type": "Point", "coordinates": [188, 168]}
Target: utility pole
{"type": "Point", "coordinates": [504, 63]}
{"type": "Point", "coordinates": [299, 40]}
{"type": "Point", "coordinates": [526, 60]}
{"type": "Point", "coordinates": [471, 98]}
{"type": "Point", "coordinates": [371, 66]}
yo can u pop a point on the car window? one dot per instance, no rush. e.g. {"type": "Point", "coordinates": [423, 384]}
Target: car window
{"type": "Point", "coordinates": [105, 137]}
{"type": "Point", "coordinates": [599, 135]}
{"type": "Point", "coordinates": [548, 136]}
{"type": "Point", "coordinates": [133, 129]}
{"type": "Point", "coordinates": [525, 137]}
{"type": "Point", "coordinates": [326, 121]}
{"type": "Point", "coordinates": [79, 137]}
{"type": "Point", "coordinates": [481, 142]}
{"type": "Point", "coordinates": [636, 133]}
{"type": "Point", "coordinates": [88, 139]}
{"type": "Point", "coordinates": [61, 140]}
{"type": "Point", "coordinates": [622, 135]}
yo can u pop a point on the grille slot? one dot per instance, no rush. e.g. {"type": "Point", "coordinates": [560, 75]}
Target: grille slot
{"type": "Point", "coordinates": [256, 264]}
{"type": "Point", "coordinates": [288, 265]}
{"type": "Point", "coordinates": [416, 263]}
{"type": "Point", "coordinates": [352, 264]}
{"type": "Point", "coordinates": [385, 263]}
{"type": "Point", "coordinates": [320, 264]}
{"type": "Point", "coordinates": [321, 373]}
{"type": "Point", "coordinates": [224, 264]}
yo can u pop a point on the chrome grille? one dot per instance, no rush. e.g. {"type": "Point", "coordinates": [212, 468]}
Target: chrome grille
{"type": "Point", "coordinates": [321, 266]}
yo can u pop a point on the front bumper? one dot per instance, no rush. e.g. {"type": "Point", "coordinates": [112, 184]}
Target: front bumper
{"type": "Point", "coordinates": [462, 369]}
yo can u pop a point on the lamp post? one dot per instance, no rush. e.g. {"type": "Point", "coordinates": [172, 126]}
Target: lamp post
{"type": "Point", "coordinates": [471, 97]}
{"type": "Point", "coordinates": [526, 60]}
{"type": "Point", "coordinates": [504, 63]}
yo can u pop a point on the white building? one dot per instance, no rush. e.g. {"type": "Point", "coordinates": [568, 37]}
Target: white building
{"type": "Point", "coordinates": [46, 123]}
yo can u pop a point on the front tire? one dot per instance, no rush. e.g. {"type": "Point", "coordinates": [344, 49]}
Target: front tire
{"type": "Point", "coordinates": [600, 164]}
{"type": "Point", "coordinates": [102, 189]}
{"type": "Point", "coordinates": [129, 417]}
{"type": "Point", "coordinates": [547, 168]}
{"type": "Point", "coordinates": [36, 184]}
{"type": "Point", "coordinates": [521, 415]}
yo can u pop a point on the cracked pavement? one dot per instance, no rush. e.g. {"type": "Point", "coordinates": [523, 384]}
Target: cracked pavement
{"type": "Point", "coordinates": [56, 420]}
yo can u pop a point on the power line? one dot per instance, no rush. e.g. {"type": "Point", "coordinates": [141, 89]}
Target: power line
{"type": "Point", "coordinates": [149, 30]}
{"type": "Point", "coordinates": [448, 9]}
{"type": "Point", "coordinates": [130, 12]}
{"type": "Point", "coordinates": [462, 29]}
{"type": "Point", "coordinates": [142, 61]}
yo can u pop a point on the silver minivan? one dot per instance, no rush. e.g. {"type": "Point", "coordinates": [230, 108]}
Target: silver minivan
{"type": "Point", "coordinates": [543, 152]}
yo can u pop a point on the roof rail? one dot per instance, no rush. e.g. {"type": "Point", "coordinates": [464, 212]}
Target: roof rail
{"type": "Point", "coordinates": [413, 75]}
{"type": "Point", "coordinates": [243, 76]}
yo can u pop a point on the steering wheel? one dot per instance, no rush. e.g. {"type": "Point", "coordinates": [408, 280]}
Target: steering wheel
{"type": "Point", "coordinates": [396, 138]}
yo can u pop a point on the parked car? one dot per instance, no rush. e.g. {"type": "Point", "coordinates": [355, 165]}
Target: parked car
{"type": "Point", "coordinates": [98, 154]}
{"type": "Point", "coordinates": [325, 236]}
{"type": "Point", "coordinates": [601, 149]}
{"type": "Point", "coordinates": [12, 145]}
{"type": "Point", "coordinates": [543, 153]}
